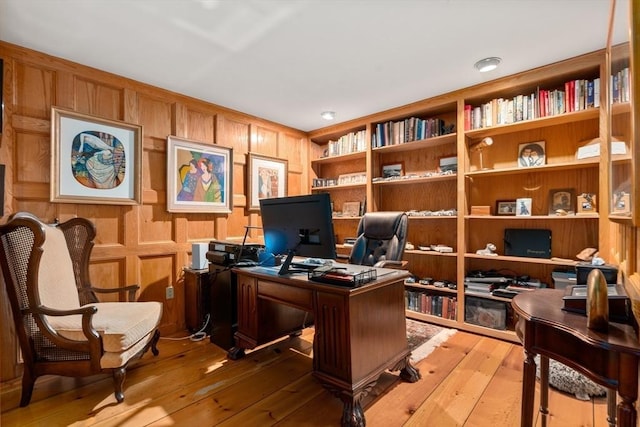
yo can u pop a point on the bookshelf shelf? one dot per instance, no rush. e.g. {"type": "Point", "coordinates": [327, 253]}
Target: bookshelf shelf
{"type": "Point", "coordinates": [416, 180]}
{"type": "Point", "coordinates": [358, 155]}
{"type": "Point", "coordinates": [542, 261]}
{"type": "Point", "coordinates": [417, 145]}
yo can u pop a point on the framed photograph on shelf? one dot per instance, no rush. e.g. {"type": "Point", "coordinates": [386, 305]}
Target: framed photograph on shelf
{"type": "Point", "coordinates": [621, 203]}
{"type": "Point", "coordinates": [350, 209]}
{"type": "Point", "coordinates": [586, 204]}
{"type": "Point", "coordinates": [267, 178]}
{"type": "Point", "coordinates": [94, 160]}
{"type": "Point", "coordinates": [506, 207]}
{"type": "Point", "coordinates": [562, 201]}
{"type": "Point", "coordinates": [392, 170]}
{"type": "Point", "coordinates": [523, 207]}
{"type": "Point", "coordinates": [531, 154]}
{"type": "Point", "coordinates": [199, 176]}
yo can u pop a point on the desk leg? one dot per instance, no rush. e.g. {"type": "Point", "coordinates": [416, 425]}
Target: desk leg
{"type": "Point", "coordinates": [352, 413]}
{"type": "Point", "coordinates": [611, 407]}
{"type": "Point", "coordinates": [544, 388]}
{"type": "Point", "coordinates": [628, 390]}
{"type": "Point", "coordinates": [528, 389]}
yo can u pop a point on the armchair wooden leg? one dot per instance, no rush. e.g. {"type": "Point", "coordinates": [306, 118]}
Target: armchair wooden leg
{"type": "Point", "coordinates": [154, 343]}
{"type": "Point", "coordinates": [119, 375]}
{"type": "Point", "coordinates": [28, 381]}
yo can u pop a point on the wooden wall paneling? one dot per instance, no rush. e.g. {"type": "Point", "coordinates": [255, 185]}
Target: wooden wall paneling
{"type": "Point", "coordinates": [110, 274]}
{"type": "Point", "coordinates": [158, 272]}
{"type": "Point", "coordinates": [34, 90]}
{"type": "Point", "coordinates": [9, 367]}
{"type": "Point", "coordinates": [98, 99]}
{"type": "Point", "coordinates": [200, 126]}
{"type": "Point", "coordinates": [264, 141]}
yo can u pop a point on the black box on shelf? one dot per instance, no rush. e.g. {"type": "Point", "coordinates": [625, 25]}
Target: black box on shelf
{"type": "Point", "coordinates": [527, 242]}
{"type": "Point", "coordinates": [610, 273]}
{"type": "Point", "coordinates": [485, 312]}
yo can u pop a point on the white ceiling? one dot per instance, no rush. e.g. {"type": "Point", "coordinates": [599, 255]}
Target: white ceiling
{"type": "Point", "coordinates": [288, 60]}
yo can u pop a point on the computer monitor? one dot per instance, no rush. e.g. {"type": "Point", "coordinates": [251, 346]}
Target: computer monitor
{"type": "Point", "coordinates": [298, 225]}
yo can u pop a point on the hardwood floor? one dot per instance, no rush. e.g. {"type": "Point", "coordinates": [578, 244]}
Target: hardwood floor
{"type": "Point", "coordinates": [468, 381]}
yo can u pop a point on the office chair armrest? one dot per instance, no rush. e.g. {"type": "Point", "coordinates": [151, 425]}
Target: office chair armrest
{"type": "Point", "coordinates": [398, 265]}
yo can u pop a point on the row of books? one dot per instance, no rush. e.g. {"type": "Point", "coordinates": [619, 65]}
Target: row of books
{"type": "Point", "coordinates": [620, 86]}
{"type": "Point", "coordinates": [408, 130]}
{"type": "Point", "coordinates": [576, 95]}
{"type": "Point", "coordinates": [436, 305]}
{"type": "Point", "coordinates": [352, 142]}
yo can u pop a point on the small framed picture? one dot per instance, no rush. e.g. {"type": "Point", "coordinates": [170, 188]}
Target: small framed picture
{"type": "Point", "coordinates": [621, 203]}
{"type": "Point", "coordinates": [506, 207]}
{"type": "Point", "coordinates": [392, 170]}
{"type": "Point", "coordinates": [351, 209]}
{"type": "Point", "coordinates": [586, 203]}
{"type": "Point", "coordinates": [531, 154]}
{"type": "Point", "coordinates": [523, 207]}
{"type": "Point", "coordinates": [561, 202]}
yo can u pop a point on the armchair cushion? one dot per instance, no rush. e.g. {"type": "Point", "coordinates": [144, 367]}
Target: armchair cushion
{"type": "Point", "coordinates": [120, 325]}
{"type": "Point", "coordinates": [56, 278]}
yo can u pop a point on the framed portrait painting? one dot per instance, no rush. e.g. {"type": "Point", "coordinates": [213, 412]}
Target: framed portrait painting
{"type": "Point", "coordinates": [267, 178]}
{"type": "Point", "coordinates": [199, 176]}
{"type": "Point", "coordinates": [94, 160]}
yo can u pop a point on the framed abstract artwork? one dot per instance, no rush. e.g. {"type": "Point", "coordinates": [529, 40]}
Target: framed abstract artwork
{"type": "Point", "coordinates": [199, 176]}
{"type": "Point", "coordinates": [267, 177]}
{"type": "Point", "coordinates": [94, 160]}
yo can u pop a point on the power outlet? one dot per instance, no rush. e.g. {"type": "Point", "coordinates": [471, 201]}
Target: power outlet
{"type": "Point", "coordinates": [169, 292]}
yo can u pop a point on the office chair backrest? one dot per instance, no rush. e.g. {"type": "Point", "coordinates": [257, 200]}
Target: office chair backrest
{"type": "Point", "coordinates": [381, 237]}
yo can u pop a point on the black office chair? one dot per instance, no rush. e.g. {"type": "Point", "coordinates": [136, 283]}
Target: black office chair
{"type": "Point", "coordinates": [381, 240]}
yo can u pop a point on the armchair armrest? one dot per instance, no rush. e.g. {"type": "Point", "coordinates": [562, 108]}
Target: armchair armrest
{"type": "Point", "coordinates": [92, 345]}
{"type": "Point", "coordinates": [131, 291]}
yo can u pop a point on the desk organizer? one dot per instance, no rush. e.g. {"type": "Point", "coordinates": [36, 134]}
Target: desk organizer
{"type": "Point", "coordinates": [340, 277]}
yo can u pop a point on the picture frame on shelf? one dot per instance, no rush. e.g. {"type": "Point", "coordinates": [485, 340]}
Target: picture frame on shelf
{"type": "Point", "coordinates": [199, 176]}
{"type": "Point", "coordinates": [586, 203]}
{"type": "Point", "coordinates": [351, 209]}
{"type": "Point", "coordinates": [532, 154]}
{"type": "Point", "coordinates": [267, 178]}
{"type": "Point", "coordinates": [94, 160]}
{"type": "Point", "coordinates": [506, 207]}
{"type": "Point", "coordinates": [523, 206]}
{"type": "Point", "coordinates": [621, 203]}
{"type": "Point", "coordinates": [562, 201]}
{"type": "Point", "coordinates": [393, 170]}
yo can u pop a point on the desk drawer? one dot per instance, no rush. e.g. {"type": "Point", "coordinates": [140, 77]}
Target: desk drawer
{"type": "Point", "coordinates": [297, 297]}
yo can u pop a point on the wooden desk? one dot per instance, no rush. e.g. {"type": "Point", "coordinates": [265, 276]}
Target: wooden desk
{"type": "Point", "coordinates": [610, 359]}
{"type": "Point", "coordinates": [359, 332]}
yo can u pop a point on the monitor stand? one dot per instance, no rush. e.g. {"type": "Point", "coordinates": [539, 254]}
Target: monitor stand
{"type": "Point", "coordinates": [284, 269]}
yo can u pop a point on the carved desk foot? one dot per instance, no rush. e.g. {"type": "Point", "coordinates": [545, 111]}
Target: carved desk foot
{"type": "Point", "coordinates": [235, 353]}
{"type": "Point", "coordinates": [407, 371]}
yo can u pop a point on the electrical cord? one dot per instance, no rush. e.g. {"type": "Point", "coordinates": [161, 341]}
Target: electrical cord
{"type": "Point", "coordinates": [196, 336]}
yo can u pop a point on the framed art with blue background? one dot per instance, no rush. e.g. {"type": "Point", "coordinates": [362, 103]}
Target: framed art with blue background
{"type": "Point", "coordinates": [199, 176]}
{"type": "Point", "coordinates": [94, 160]}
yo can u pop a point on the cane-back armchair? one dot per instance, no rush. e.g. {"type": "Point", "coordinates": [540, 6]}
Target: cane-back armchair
{"type": "Point", "coordinates": [62, 327]}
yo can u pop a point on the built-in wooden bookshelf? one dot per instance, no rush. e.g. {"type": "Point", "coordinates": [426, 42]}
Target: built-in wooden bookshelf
{"type": "Point", "coordinates": [439, 199]}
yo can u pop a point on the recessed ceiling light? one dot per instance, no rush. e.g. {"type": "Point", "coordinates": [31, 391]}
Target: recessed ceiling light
{"type": "Point", "coordinates": [328, 115]}
{"type": "Point", "coordinates": [487, 64]}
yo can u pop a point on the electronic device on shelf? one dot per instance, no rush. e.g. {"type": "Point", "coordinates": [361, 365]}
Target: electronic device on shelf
{"type": "Point", "coordinates": [298, 225]}
{"type": "Point", "coordinates": [228, 253]}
